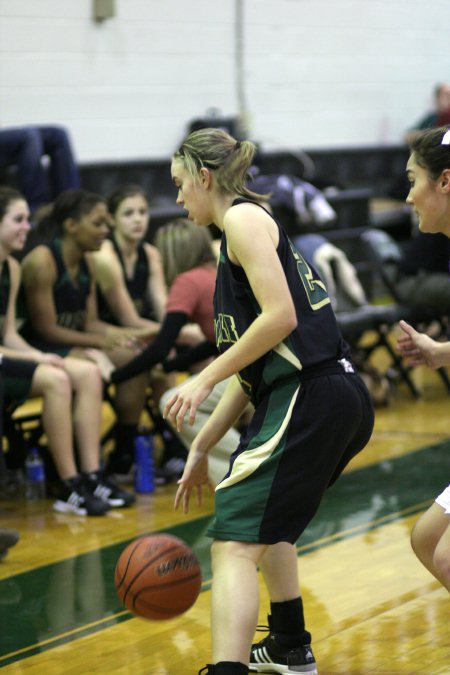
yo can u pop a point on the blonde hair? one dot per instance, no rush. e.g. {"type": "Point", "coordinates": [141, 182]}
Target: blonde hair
{"type": "Point", "coordinates": [183, 246]}
{"type": "Point", "coordinates": [230, 159]}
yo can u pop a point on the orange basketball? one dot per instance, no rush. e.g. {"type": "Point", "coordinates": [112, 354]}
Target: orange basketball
{"type": "Point", "coordinates": [158, 577]}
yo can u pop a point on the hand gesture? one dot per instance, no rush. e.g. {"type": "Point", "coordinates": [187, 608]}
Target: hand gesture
{"type": "Point", "coordinates": [187, 398]}
{"type": "Point", "coordinates": [52, 359]}
{"type": "Point", "coordinates": [195, 476]}
{"type": "Point", "coordinates": [417, 348]}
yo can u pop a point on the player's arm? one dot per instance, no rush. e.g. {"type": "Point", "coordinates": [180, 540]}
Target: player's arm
{"type": "Point", "coordinates": [156, 284]}
{"type": "Point", "coordinates": [39, 277]}
{"type": "Point", "coordinates": [230, 407]}
{"type": "Point", "coordinates": [418, 348]}
{"type": "Point", "coordinates": [110, 279]}
{"type": "Point", "coordinates": [252, 240]}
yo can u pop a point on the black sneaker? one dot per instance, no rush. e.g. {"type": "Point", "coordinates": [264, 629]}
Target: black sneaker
{"type": "Point", "coordinates": [8, 538]}
{"type": "Point", "coordinates": [76, 498]}
{"type": "Point", "coordinates": [102, 486]}
{"type": "Point", "coordinates": [269, 657]}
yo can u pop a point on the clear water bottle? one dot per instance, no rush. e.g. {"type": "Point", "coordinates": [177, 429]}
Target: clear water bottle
{"type": "Point", "coordinates": [144, 477]}
{"type": "Point", "coordinates": [34, 475]}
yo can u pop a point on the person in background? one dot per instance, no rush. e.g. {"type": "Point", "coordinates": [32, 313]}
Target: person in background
{"type": "Point", "coordinates": [128, 268]}
{"type": "Point", "coordinates": [71, 389]}
{"type": "Point", "coordinates": [132, 292]}
{"type": "Point", "coordinates": [280, 346]}
{"type": "Point", "coordinates": [189, 264]}
{"type": "Point", "coordinates": [61, 308]}
{"type": "Point", "coordinates": [428, 172]}
{"type": "Point", "coordinates": [25, 147]}
{"type": "Point", "coordinates": [433, 118]}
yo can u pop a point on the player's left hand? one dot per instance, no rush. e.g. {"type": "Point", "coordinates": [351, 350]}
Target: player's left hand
{"type": "Point", "coordinates": [195, 477]}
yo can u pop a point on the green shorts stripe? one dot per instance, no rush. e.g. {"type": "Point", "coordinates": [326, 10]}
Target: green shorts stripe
{"type": "Point", "coordinates": [245, 490]}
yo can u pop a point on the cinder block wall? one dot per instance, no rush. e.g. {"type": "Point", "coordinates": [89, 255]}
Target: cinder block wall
{"type": "Point", "coordinates": [305, 73]}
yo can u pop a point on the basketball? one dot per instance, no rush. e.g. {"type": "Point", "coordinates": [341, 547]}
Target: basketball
{"type": "Point", "coordinates": [158, 577]}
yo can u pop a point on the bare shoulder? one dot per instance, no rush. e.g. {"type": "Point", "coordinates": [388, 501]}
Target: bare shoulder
{"type": "Point", "coordinates": [105, 253]}
{"type": "Point", "coordinates": [248, 222]}
{"type": "Point", "coordinates": [39, 262]}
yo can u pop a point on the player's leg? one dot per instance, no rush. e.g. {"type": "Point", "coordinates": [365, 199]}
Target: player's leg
{"type": "Point", "coordinates": [87, 407]}
{"type": "Point", "coordinates": [234, 598]}
{"type": "Point", "coordinates": [288, 643]}
{"type": "Point", "coordinates": [55, 387]}
{"type": "Point", "coordinates": [53, 384]}
{"type": "Point", "coordinates": [87, 410]}
{"type": "Point", "coordinates": [430, 540]}
{"type": "Point", "coordinates": [129, 402]}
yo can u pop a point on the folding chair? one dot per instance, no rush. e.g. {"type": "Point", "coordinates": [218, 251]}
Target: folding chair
{"type": "Point", "coordinates": [385, 254]}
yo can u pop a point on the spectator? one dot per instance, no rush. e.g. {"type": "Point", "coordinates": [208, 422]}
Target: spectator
{"type": "Point", "coordinates": [71, 389]}
{"type": "Point", "coordinates": [60, 295]}
{"type": "Point", "coordinates": [25, 147]}
{"type": "Point", "coordinates": [190, 270]}
{"type": "Point", "coordinates": [432, 118]}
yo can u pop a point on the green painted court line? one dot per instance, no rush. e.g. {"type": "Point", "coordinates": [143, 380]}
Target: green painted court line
{"type": "Point", "coordinates": [44, 608]}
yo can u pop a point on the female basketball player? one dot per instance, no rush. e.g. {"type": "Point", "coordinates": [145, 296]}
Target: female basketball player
{"type": "Point", "coordinates": [71, 390]}
{"type": "Point", "coordinates": [277, 334]}
{"type": "Point", "coordinates": [428, 171]}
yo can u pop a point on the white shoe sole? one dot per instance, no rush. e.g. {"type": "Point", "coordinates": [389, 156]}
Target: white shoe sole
{"type": "Point", "coordinates": [64, 507]}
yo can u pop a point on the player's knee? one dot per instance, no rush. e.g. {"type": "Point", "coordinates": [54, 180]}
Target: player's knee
{"type": "Point", "coordinates": [89, 375]}
{"type": "Point", "coordinates": [59, 381]}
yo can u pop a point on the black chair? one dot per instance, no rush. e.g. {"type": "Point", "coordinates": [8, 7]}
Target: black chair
{"type": "Point", "coordinates": [385, 255]}
{"type": "Point", "coordinates": [367, 328]}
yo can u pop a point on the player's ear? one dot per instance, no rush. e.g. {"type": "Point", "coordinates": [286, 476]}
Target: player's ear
{"type": "Point", "coordinates": [205, 177]}
{"type": "Point", "coordinates": [445, 181]}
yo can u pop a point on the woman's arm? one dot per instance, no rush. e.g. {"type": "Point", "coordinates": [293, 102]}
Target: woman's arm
{"type": "Point", "coordinates": [155, 352]}
{"type": "Point", "coordinates": [252, 238]}
{"type": "Point", "coordinates": [230, 408]}
{"type": "Point", "coordinates": [39, 277]}
{"type": "Point", "coordinates": [157, 286]}
{"type": "Point", "coordinates": [14, 345]}
{"type": "Point", "coordinates": [110, 279]}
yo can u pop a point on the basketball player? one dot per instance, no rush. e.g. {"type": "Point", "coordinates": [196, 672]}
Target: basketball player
{"type": "Point", "coordinates": [277, 334]}
{"type": "Point", "coordinates": [428, 171]}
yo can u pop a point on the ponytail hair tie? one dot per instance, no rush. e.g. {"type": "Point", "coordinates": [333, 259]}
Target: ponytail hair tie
{"type": "Point", "coordinates": [238, 145]}
{"type": "Point", "coordinates": [446, 138]}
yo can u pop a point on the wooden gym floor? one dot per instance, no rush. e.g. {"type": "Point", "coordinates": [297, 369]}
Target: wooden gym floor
{"type": "Point", "coordinates": [370, 605]}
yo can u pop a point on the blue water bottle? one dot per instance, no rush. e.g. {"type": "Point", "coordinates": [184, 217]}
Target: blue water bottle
{"type": "Point", "coordinates": [144, 477]}
{"type": "Point", "coordinates": [34, 475]}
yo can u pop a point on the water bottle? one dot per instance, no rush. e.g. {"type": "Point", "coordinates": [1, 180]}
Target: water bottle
{"type": "Point", "coordinates": [144, 477]}
{"type": "Point", "coordinates": [34, 475]}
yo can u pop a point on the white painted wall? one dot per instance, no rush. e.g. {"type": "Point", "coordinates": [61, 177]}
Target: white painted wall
{"type": "Point", "coordinates": [316, 73]}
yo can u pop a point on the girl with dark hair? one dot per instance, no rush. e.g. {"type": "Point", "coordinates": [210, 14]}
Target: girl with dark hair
{"type": "Point", "coordinates": [428, 172]}
{"type": "Point", "coordinates": [60, 294]}
{"type": "Point", "coordinates": [71, 389]}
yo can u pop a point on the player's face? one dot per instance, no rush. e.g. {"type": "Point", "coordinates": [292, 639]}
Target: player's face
{"type": "Point", "coordinates": [132, 217]}
{"type": "Point", "coordinates": [429, 201]}
{"type": "Point", "coordinates": [91, 230]}
{"type": "Point", "coordinates": [15, 226]}
{"type": "Point", "coordinates": [193, 194]}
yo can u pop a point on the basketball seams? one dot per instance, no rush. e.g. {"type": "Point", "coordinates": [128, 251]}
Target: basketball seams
{"type": "Point", "coordinates": [161, 554]}
{"type": "Point", "coordinates": [138, 543]}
